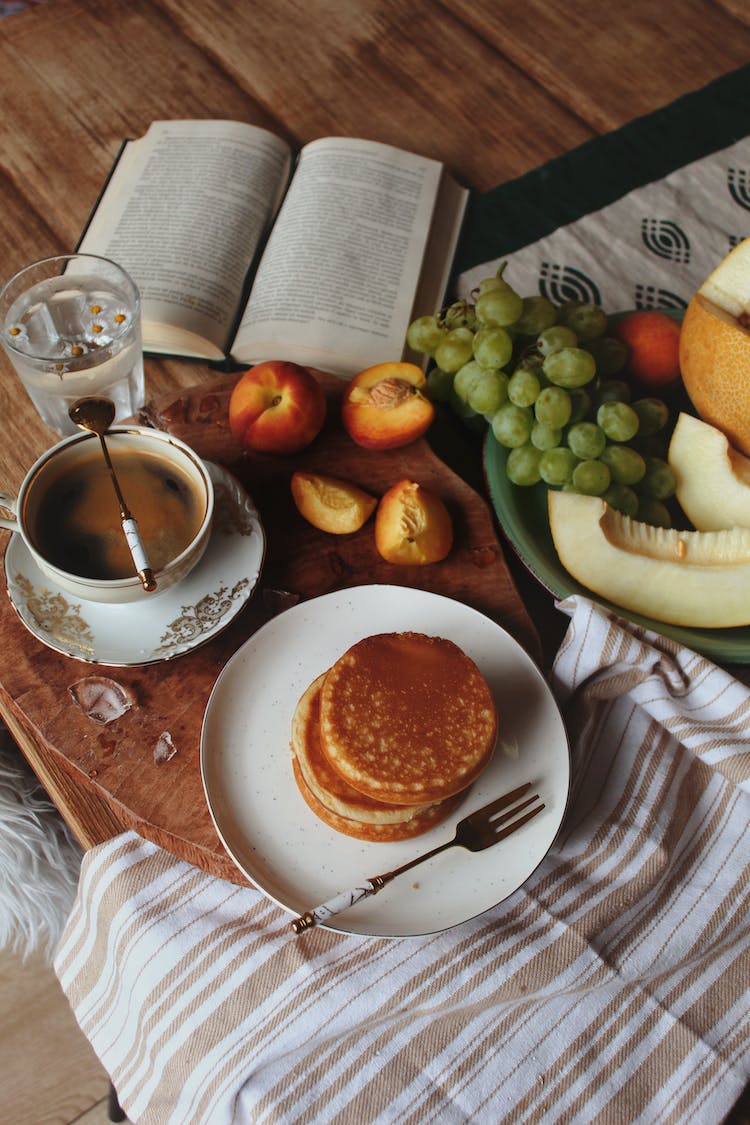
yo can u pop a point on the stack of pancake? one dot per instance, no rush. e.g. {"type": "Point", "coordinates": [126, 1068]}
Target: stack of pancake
{"type": "Point", "coordinates": [385, 743]}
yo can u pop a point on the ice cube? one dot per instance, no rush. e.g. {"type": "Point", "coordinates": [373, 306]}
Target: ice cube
{"type": "Point", "coordinates": [165, 748]}
{"type": "Point", "coordinates": [100, 698]}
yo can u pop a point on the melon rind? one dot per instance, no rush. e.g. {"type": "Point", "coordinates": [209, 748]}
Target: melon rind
{"type": "Point", "coordinates": [698, 579]}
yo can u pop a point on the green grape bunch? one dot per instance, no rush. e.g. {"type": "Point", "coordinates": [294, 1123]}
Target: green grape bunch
{"type": "Point", "coordinates": [547, 381]}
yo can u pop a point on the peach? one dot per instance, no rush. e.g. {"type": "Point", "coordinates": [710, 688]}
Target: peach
{"type": "Point", "coordinates": [412, 525]}
{"type": "Point", "coordinates": [277, 407]}
{"type": "Point", "coordinates": [386, 406]}
{"type": "Point", "coordinates": [331, 504]}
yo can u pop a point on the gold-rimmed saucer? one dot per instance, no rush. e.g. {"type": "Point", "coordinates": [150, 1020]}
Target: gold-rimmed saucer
{"type": "Point", "coordinates": [159, 628]}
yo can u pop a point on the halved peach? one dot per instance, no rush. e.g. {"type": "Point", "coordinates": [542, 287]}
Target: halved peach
{"type": "Point", "coordinates": [386, 406]}
{"type": "Point", "coordinates": [412, 525]}
{"type": "Point", "coordinates": [331, 504]}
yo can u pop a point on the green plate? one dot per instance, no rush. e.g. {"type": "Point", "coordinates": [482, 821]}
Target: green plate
{"type": "Point", "coordinates": [522, 514]}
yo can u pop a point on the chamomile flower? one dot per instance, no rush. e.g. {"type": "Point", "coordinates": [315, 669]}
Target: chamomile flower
{"type": "Point", "coordinates": [18, 335]}
{"type": "Point", "coordinates": [120, 318]}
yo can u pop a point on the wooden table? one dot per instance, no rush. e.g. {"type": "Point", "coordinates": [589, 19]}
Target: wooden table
{"type": "Point", "coordinates": [492, 90]}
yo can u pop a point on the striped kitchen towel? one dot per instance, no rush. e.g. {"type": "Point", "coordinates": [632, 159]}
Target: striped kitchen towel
{"type": "Point", "coordinates": [612, 987]}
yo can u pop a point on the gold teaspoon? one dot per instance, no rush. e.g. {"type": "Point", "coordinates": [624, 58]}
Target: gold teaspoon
{"type": "Point", "coordinates": [96, 414]}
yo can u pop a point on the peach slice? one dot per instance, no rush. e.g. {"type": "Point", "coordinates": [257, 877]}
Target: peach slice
{"type": "Point", "coordinates": [386, 406]}
{"type": "Point", "coordinates": [331, 504]}
{"type": "Point", "coordinates": [412, 525]}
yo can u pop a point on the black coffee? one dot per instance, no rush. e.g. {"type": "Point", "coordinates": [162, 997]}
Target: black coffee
{"type": "Point", "coordinates": [77, 526]}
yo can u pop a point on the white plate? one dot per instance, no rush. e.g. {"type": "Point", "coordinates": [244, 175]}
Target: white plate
{"type": "Point", "coordinates": [160, 628]}
{"type": "Point", "coordinates": [297, 860]}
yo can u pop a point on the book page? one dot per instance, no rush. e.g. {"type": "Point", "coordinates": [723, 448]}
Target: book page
{"type": "Point", "coordinates": [336, 284]}
{"type": "Point", "coordinates": [184, 213]}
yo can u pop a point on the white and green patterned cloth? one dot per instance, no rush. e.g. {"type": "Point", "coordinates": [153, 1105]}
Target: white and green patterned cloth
{"type": "Point", "coordinates": [651, 249]}
{"type": "Point", "coordinates": [634, 219]}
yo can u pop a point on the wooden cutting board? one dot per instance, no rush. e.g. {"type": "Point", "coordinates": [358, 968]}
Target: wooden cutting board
{"type": "Point", "coordinates": [108, 777]}
{"type": "Point", "coordinates": [303, 562]}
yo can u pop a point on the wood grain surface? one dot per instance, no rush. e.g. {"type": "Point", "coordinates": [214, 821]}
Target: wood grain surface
{"type": "Point", "coordinates": [306, 562]}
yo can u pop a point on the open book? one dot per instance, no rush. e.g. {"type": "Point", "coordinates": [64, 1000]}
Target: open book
{"type": "Point", "coordinates": [241, 249]}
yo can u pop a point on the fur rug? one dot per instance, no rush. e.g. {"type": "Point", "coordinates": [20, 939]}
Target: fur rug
{"type": "Point", "coordinates": [39, 859]}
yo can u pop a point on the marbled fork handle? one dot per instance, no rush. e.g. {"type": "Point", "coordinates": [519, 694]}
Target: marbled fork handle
{"type": "Point", "coordinates": [479, 830]}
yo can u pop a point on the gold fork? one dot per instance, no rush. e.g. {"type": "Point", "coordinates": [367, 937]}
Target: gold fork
{"type": "Point", "coordinates": [479, 830]}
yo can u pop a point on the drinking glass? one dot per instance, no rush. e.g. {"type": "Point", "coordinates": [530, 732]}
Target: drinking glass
{"type": "Point", "coordinates": [71, 326]}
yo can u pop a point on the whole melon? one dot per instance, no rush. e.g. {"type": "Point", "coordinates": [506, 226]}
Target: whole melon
{"type": "Point", "coordinates": [715, 348]}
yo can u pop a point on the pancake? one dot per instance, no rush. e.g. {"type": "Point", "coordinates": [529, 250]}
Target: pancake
{"type": "Point", "coordinates": [383, 833]}
{"type": "Point", "coordinates": [406, 718]}
{"type": "Point", "coordinates": [325, 783]}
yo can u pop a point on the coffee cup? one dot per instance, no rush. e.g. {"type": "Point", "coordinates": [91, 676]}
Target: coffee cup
{"type": "Point", "coordinates": [68, 516]}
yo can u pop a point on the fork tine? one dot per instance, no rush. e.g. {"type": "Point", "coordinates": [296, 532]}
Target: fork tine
{"type": "Point", "coordinates": [504, 801]}
{"type": "Point", "coordinates": [516, 824]}
{"type": "Point", "coordinates": [494, 820]}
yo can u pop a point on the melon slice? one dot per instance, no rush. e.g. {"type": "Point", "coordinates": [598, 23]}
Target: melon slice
{"type": "Point", "coordinates": [728, 286]}
{"type": "Point", "coordinates": [693, 578]}
{"type": "Point", "coordinates": [712, 478]}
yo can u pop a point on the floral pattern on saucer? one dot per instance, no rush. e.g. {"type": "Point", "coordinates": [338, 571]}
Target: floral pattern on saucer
{"type": "Point", "coordinates": [56, 617]}
{"type": "Point", "coordinates": [158, 628]}
{"type": "Point", "coordinates": [195, 620]}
